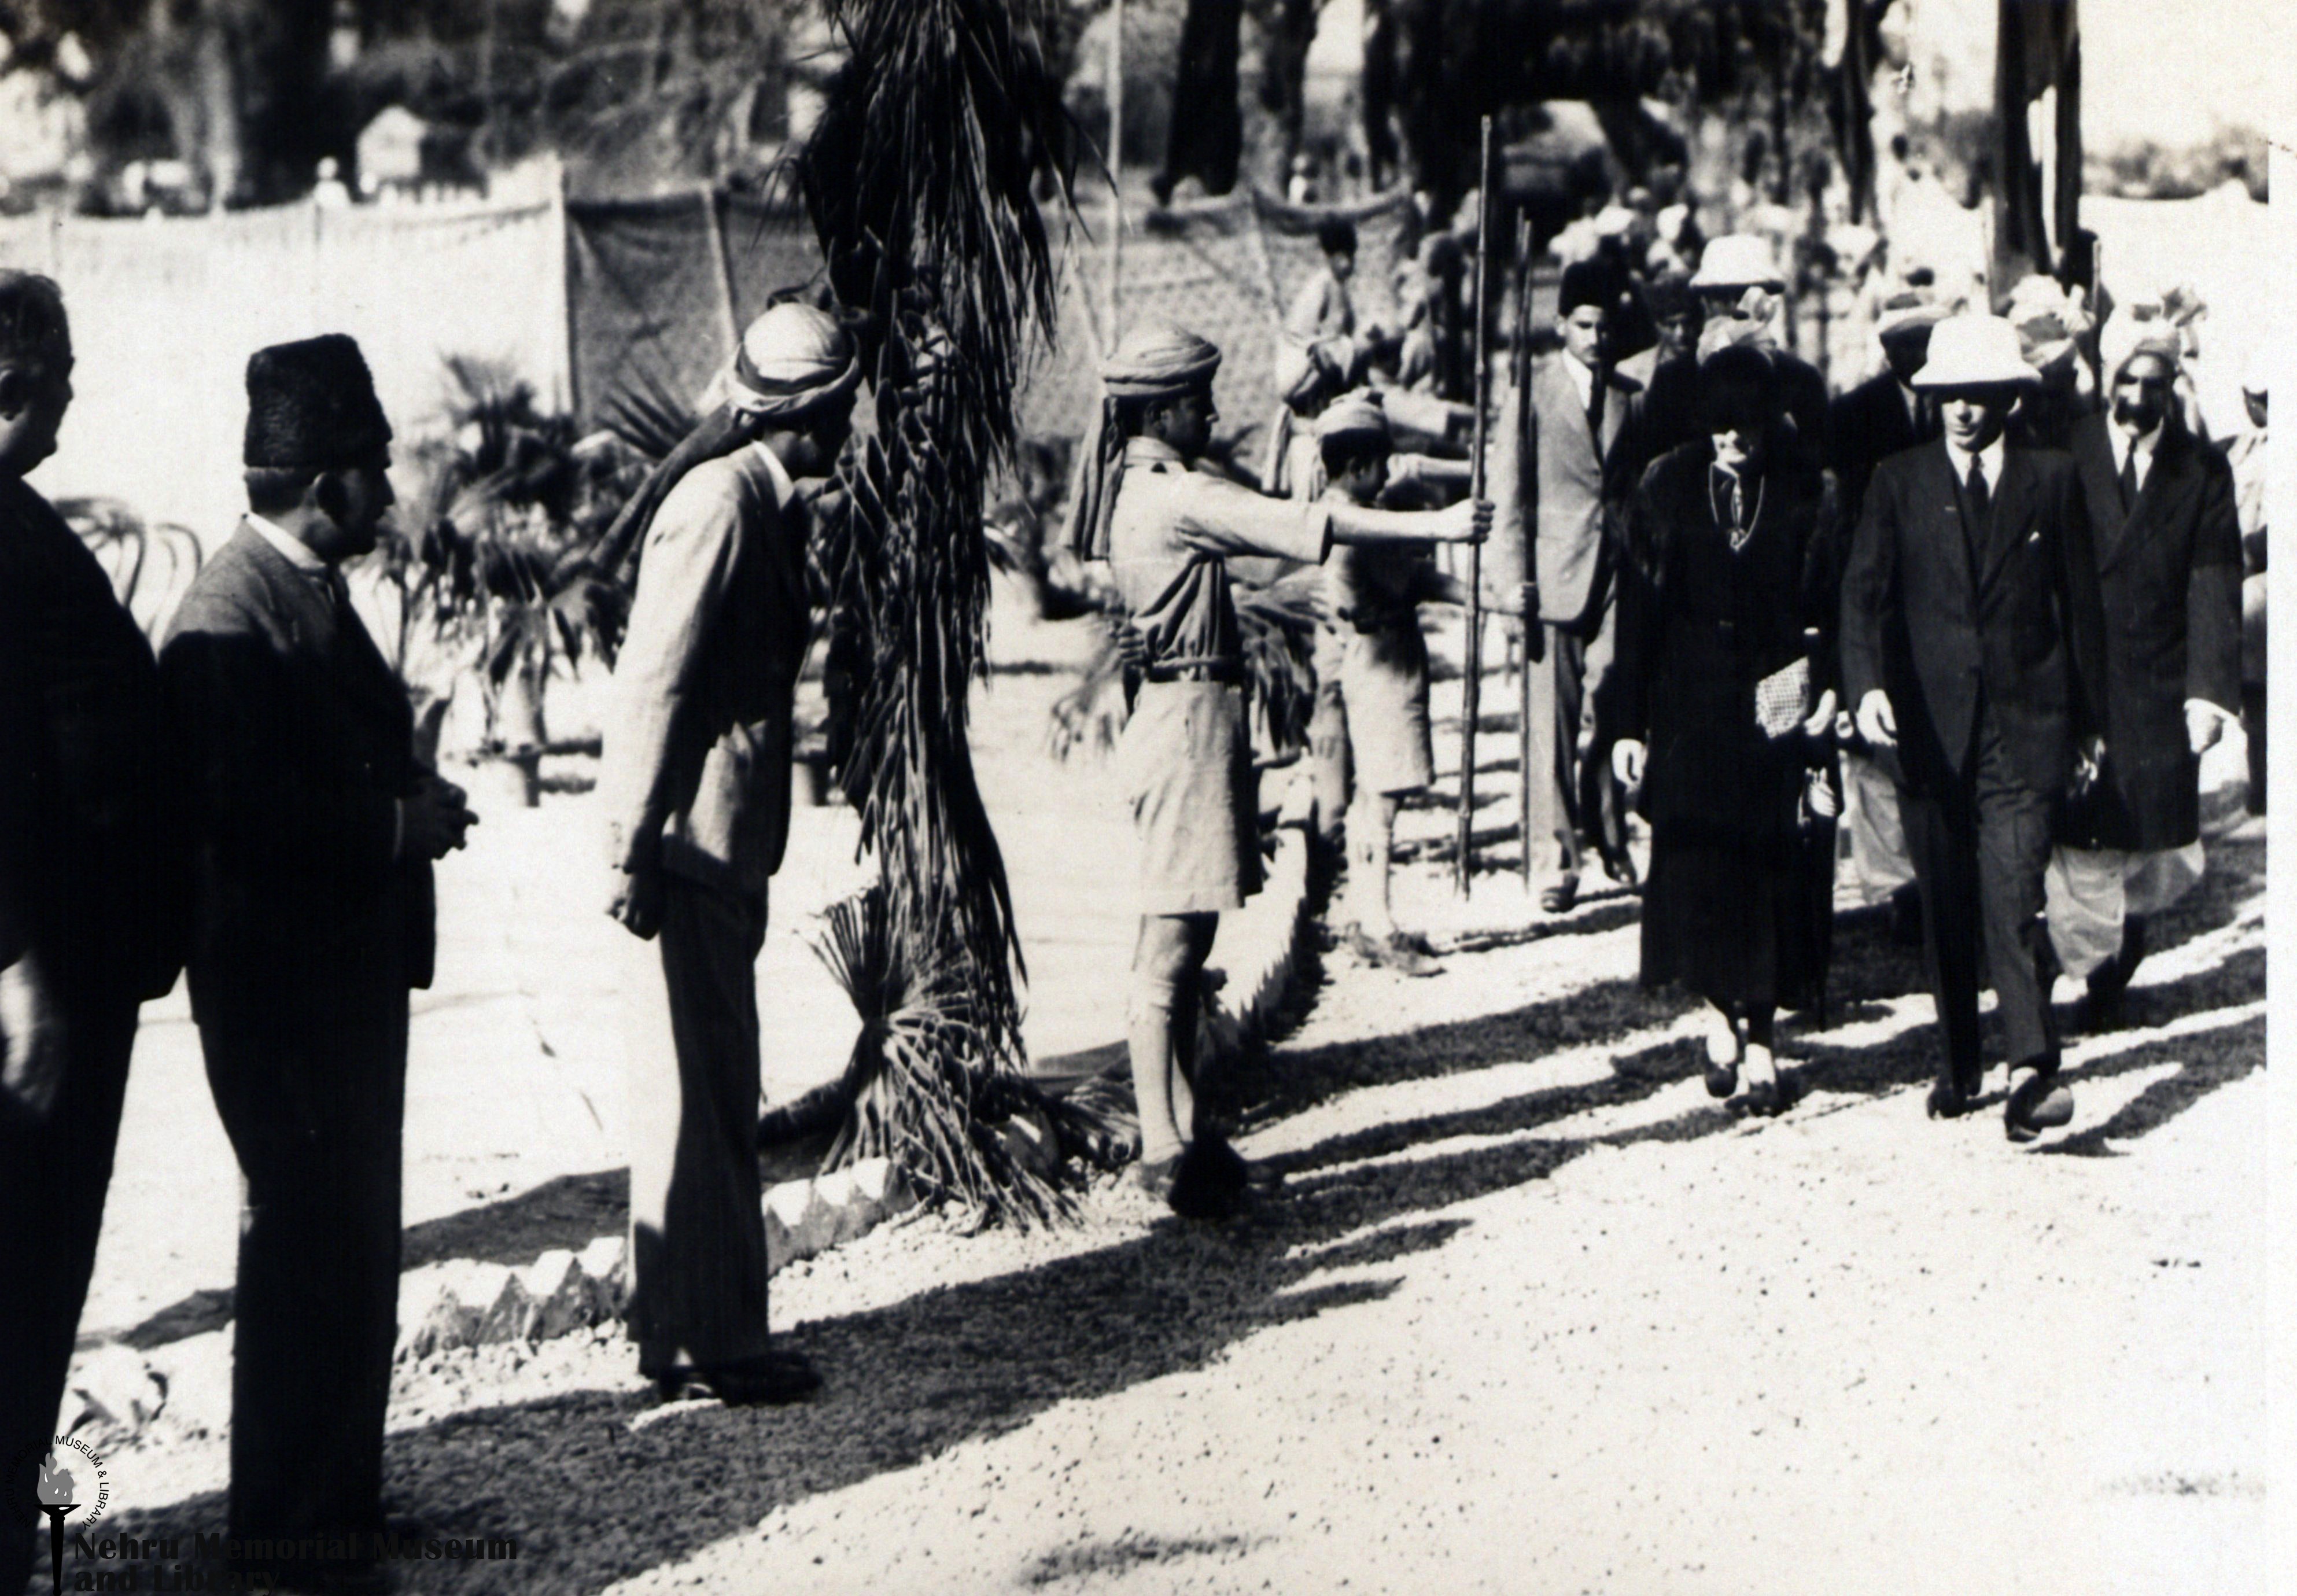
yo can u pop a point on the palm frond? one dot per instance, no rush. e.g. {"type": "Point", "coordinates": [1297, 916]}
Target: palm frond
{"type": "Point", "coordinates": [920, 178]}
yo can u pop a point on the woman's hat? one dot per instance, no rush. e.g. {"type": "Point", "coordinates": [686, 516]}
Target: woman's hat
{"type": "Point", "coordinates": [1975, 350]}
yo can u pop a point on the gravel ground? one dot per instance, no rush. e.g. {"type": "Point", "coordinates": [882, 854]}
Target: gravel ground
{"type": "Point", "coordinates": [1532, 1314]}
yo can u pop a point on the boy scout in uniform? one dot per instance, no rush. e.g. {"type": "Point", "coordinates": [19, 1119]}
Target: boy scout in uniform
{"type": "Point", "coordinates": [1167, 532]}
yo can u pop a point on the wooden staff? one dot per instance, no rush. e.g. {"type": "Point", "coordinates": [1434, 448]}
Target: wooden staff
{"type": "Point", "coordinates": [1471, 686]}
{"type": "Point", "coordinates": [1535, 637]}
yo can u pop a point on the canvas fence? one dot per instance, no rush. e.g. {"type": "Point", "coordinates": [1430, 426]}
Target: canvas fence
{"type": "Point", "coordinates": [165, 314]}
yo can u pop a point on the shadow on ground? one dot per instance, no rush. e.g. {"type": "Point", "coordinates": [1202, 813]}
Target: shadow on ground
{"type": "Point", "coordinates": [592, 1500]}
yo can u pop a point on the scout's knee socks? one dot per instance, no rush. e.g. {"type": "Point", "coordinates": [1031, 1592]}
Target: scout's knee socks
{"type": "Point", "coordinates": [1149, 1041]}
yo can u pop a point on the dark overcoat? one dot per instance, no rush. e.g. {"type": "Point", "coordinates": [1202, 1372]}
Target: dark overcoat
{"type": "Point", "coordinates": [2169, 579]}
{"type": "Point", "coordinates": [297, 739]}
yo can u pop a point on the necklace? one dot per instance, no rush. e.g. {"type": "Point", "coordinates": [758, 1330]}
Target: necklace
{"type": "Point", "coordinates": [1738, 534]}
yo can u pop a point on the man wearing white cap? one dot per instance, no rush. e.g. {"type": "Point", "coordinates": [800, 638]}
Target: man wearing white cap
{"type": "Point", "coordinates": [1167, 533]}
{"type": "Point", "coordinates": [1972, 647]}
{"type": "Point", "coordinates": [1741, 293]}
{"type": "Point", "coordinates": [2160, 506]}
{"type": "Point", "coordinates": [695, 787]}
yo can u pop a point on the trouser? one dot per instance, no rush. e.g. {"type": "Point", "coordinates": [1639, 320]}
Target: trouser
{"type": "Point", "coordinates": [697, 1225]}
{"type": "Point", "coordinates": [55, 1169]}
{"type": "Point", "coordinates": [2253, 726]}
{"type": "Point", "coordinates": [1980, 847]}
{"type": "Point", "coordinates": [1568, 796]}
{"type": "Point", "coordinates": [314, 1106]}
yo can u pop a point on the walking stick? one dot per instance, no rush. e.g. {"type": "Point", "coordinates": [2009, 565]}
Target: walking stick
{"type": "Point", "coordinates": [1471, 686]}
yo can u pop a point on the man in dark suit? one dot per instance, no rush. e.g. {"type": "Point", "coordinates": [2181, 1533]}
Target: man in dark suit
{"type": "Point", "coordinates": [2169, 566]}
{"type": "Point", "coordinates": [697, 789]}
{"type": "Point", "coordinates": [1972, 647]}
{"type": "Point", "coordinates": [87, 925]}
{"type": "Point", "coordinates": [1886, 414]}
{"type": "Point", "coordinates": [1585, 426]}
{"type": "Point", "coordinates": [314, 833]}
{"type": "Point", "coordinates": [1883, 416]}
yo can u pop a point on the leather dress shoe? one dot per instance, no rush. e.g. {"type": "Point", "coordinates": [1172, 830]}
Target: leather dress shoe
{"type": "Point", "coordinates": [2037, 1104]}
{"type": "Point", "coordinates": [768, 1380]}
{"type": "Point", "coordinates": [1946, 1100]}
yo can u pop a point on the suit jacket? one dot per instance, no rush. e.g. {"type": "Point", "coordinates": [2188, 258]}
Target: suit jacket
{"type": "Point", "coordinates": [2024, 628]}
{"type": "Point", "coordinates": [296, 740]}
{"type": "Point", "coordinates": [2169, 577]}
{"type": "Point", "coordinates": [696, 775]}
{"type": "Point", "coordinates": [87, 876]}
{"type": "Point", "coordinates": [1583, 486]}
{"type": "Point", "coordinates": [1865, 427]}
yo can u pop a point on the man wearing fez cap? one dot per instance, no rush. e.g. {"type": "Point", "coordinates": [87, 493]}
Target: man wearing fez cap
{"type": "Point", "coordinates": [1972, 647]}
{"type": "Point", "coordinates": [1586, 443]}
{"type": "Point", "coordinates": [1167, 532]}
{"type": "Point", "coordinates": [86, 930]}
{"type": "Point", "coordinates": [2168, 541]}
{"type": "Point", "coordinates": [314, 829]}
{"type": "Point", "coordinates": [696, 791]}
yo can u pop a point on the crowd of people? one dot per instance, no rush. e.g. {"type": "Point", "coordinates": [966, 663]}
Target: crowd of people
{"type": "Point", "coordinates": [1997, 601]}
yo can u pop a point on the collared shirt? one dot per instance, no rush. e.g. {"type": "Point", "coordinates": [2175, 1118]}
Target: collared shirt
{"type": "Point", "coordinates": [2126, 448]}
{"type": "Point", "coordinates": [1989, 463]}
{"type": "Point", "coordinates": [784, 489]}
{"type": "Point", "coordinates": [295, 552]}
{"type": "Point", "coordinates": [1583, 378]}
{"type": "Point", "coordinates": [1170, 537]}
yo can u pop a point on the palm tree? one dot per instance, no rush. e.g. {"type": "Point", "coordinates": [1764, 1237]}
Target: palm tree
{"type": "Point", "coordinates": [920, 178]}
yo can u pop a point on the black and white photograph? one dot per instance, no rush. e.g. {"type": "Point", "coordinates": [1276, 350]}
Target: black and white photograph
{"type": "Point", "coordinates": [1119, 797]}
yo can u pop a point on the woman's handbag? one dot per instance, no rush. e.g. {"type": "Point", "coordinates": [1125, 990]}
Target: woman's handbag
{"type": "Point", "coordinates": [1783, 699]}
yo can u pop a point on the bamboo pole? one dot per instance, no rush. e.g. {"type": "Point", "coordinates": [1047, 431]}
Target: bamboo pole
{"type": "Point", "coordinates": [1116, 92]}
{"type": "Point", "coordinates": [1532, 651]}
{"type": "Point", "coordinates": [1471, 683]}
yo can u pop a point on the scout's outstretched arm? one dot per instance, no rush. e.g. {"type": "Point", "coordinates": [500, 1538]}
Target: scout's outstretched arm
{"type": "Point", "coordinates": [1468, 521]}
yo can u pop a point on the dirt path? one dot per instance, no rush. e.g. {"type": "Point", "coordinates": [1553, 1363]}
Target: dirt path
{"type": "Point", "coordinates": [1532, 1314]}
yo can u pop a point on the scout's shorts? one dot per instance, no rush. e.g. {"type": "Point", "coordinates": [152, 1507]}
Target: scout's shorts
{"type": "Point", "coordinates": [1384, 683]}
{"type": "Point", "coordinates": [1185, 767]}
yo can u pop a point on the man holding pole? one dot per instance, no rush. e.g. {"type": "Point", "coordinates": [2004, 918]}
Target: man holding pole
{"type": "Point", "coordinates": [1167, 533]}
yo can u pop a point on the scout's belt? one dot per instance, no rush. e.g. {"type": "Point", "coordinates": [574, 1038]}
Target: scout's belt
{"type": "Point", "coordinates": [1213, 669]}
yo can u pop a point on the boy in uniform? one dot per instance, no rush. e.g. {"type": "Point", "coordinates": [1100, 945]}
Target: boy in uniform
{"type": "Point", "coordinates": [1167, 532]}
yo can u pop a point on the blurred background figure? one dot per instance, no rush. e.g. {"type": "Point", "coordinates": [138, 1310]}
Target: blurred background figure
{"type": "Point", "coordinates": [2246, 454]}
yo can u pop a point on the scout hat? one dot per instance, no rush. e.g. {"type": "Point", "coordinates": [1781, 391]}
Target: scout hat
{"type": "Point", "coordinates": [311, 407]}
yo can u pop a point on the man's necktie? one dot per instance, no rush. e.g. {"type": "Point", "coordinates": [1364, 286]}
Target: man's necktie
{"type": "Point", "coordinates": [1595, 409]}
{"type": "Point", "coordinates": [2129, 479]}
{"type": "Point", "coordinates": [1980, 501]}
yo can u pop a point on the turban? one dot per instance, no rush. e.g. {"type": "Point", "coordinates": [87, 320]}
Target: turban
{"type": "Point", "coordinates": [1158, 360]}
{"type": "Point", "coordinates": [1353, 416]}
{"type": "Point", "coordinates": [1155, 360]}
{"type": "Point", "coordinates": [790, 360]}
{"type": "Point", "coordinates": [2124, 339]}
{"type": "Point", "coordinates": [311, 407]}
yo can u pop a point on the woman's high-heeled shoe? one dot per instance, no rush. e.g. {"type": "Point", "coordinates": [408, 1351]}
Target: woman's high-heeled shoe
{"type": "Point", "coordinates": [1723, 1048]}
{"type": "Point", "coordinates": [1766, 1091]}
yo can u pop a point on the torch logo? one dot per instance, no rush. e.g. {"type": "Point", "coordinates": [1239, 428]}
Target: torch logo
{"type": "Point", "coordinates": [71, 1486]}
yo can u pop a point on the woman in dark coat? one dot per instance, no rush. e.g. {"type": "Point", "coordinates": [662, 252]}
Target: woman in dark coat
{"type": "Point", "coordinates": [1725, 676]}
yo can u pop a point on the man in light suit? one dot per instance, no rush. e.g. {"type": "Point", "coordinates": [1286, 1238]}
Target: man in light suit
{"type": "Point", "coordinates": [87, 927]}
{"type": "Point", "coordinates": [313, 833]}
{"type": "Point", "coordinates": [1973, 645]}
{"type": "Point", "coordinates": [1585, 415]}
{"type": "Point", "coordinates": [697, 789]}
{"type": "Point", "coordinates": [2169, 566]}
